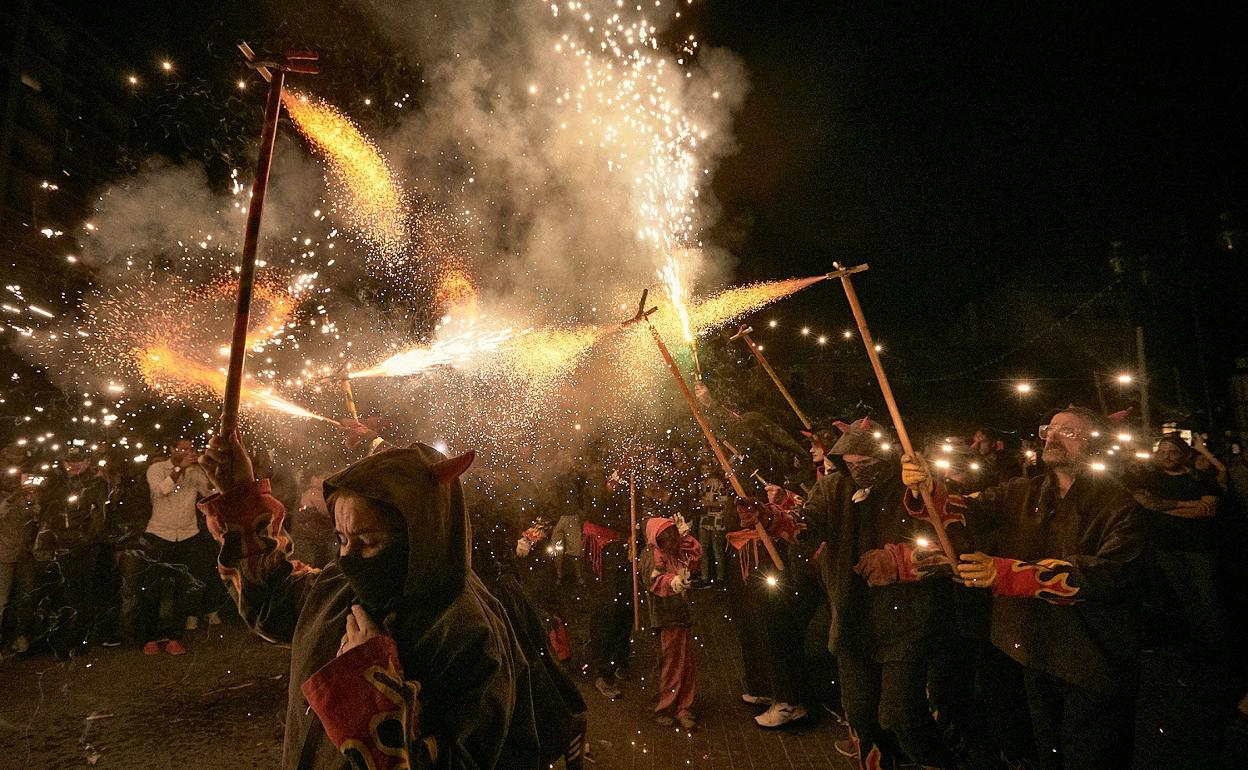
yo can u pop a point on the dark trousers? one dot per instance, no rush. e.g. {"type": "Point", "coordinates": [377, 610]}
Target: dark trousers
{"type": "Point", "coordinates": [1076, 728]}
{"type": "Point", "coordinates": [611, 624]}
{"type": "Point", "coordinates": [75, 596]}
{"type": "Point", "coordinates": [886, 704]}
{"type": "Point", "coordinates": [771, 623]}
{"type": "Point", "coordinates": [160, 587]}
{"type": "Point", "coordinates": [799, 595]}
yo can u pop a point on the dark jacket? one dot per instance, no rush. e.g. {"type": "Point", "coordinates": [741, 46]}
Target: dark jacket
{"type": "Point", "coordinates": [73, 508]}
{"type": "Point", "coordinates": [898, 622]}
{"type": "Point", "coordinates": [1065, 594]}
{"type": "Point", "coordinates": [658, 569]}
{"type": "Point", "coordinates": [449, 687]}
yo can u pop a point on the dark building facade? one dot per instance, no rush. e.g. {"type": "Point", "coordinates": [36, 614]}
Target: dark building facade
{"type": "Point", "coordinates": [63, 120]}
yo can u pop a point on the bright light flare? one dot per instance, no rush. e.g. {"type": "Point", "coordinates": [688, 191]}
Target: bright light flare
{"type": "Point", "coordinates": [455, 350]}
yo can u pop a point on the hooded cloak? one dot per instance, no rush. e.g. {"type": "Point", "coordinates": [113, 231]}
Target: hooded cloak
{"type": "Point", "coordinates": [448, 686]}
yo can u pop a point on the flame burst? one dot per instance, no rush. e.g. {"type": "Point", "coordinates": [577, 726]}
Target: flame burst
{"type": "Point", "coordinates": [373, 201]}
{"type": "Point", "coordinates": [455, 350]}
{"type": "Point", "coordinates": [170, 372]}
{"type": "Point", "coordinates": [456, 291]}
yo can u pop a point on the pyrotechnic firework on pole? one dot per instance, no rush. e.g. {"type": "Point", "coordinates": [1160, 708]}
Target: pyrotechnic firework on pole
{"type": "Point", "coordinates": [275, 73]}
{"type": "Point", "coordinates": [903, 437]}
{"type": "Point", "coordinates": [167, 371]}
{"type": "Point", "coordinates": [643, 316]}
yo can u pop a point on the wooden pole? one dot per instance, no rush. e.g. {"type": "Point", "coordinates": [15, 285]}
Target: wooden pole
{"type": "Point", "coordinates": [743, 333]}
{"type": "Point", "coordinates": [632, 543]}
{"type": "Point", "coordinates": [713, 442]}
{"type": "Point", "coordinates": [1141, 367]}
{"type": "Point", "coordinates": [903, 437]}
{"type": "Point", "coordinates": [275, 73]}
{"type": "Point", "coordinates": [247, 268]}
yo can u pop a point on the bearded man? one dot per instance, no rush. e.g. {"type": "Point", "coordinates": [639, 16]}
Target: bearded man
{"type": "Point", "coordinates": [1058, 552]}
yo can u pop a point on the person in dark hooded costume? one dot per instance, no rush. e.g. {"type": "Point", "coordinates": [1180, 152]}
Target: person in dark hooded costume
{"type": "Point", "coordinates": [557, 705]}
{"type": "Point", "coordinates": [885, 620]}
{"type": "Point", "coordinates": [400, 658]}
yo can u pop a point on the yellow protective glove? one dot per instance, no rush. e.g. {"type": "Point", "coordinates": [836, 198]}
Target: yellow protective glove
{"type": "Point", "coordinates": [916, 474]}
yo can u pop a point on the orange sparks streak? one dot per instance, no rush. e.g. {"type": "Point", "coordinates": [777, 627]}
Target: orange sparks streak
{"type": "Point", "coordinates": [732, 304]}
{"type": "Point", "coordinates": [167, 371]}
{"type": "Point", "coordinates": [373, 201]}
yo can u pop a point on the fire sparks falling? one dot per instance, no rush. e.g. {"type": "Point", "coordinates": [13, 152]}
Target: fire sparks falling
{"type": "Point", "coordinates": [630, 96]}
{"type": "Point", "coordinates": [456, 291]}
{"type": "Point", "coordinates": [548, 354]}
{"type": "Point", "coordinates": [372, 199]}
{"type": "Point", "coordinates": [170, 372]}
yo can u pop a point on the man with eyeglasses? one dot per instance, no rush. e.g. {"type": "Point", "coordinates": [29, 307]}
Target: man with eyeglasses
{"type": "Point", "coordinates": [1063, 590]}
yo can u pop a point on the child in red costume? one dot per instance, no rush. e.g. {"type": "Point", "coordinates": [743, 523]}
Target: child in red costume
{"type": "Point", "coordinates": [671, 555]}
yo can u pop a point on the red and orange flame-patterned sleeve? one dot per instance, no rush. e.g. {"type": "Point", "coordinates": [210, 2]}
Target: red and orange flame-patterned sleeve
{"type": "Point", "coordinates": [369, 711]}
{"type": "Point", "coordinates": [1048, 579]}
{"type": "Point", "coordinates": [254, 560]}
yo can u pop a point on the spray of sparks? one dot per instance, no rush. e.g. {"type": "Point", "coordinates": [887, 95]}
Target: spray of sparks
{"type": "Point", "coordinates": [370, 195]}
{"type": "Point", "coordinates": [733, 304]}
{"type": "Point", "coordinates": [170, 372]}
{"type": "Point", "coordinates": [525, 379]}
{"type": "Point", "coordinates": [457, 349]}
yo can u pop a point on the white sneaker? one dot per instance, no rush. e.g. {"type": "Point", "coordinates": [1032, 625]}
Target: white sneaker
{"type": "Point", "coordinates": [779, 714]}
{"type": "Point", "coordinates": [214, 619]}
{"type": "Point", "coordinates": [192, 623]}
{"type": "Point", "coordinates": [756, 700]}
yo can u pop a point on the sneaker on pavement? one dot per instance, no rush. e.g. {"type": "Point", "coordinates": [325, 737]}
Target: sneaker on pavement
{"type": "Point", "coordinates": [607, 690]}
{"type": "Point", "coordinates": [214, 618]}
{"type": "Point", "coordinates": [192, 622]}
{"type": "Point", "coordinates": [687, 721]}
{"type": "Point", "coordinates": [174, 647]}
{"type": "Point", "coordinates": [780, 714]}
{"type": "Point", "coordinates": [151, 648]}
{"type": "Point", "coordinates": [663, 720]}
{"type": "Point", "coordinates": [756, 700]}
{"type": "Point", "coordinates": [20, 645]}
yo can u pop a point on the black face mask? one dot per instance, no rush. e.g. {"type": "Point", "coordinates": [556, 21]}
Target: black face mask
{"type": "Point", "coordinates": [868, 475]}
{"type": "Point", "coordinates": [377, 580]}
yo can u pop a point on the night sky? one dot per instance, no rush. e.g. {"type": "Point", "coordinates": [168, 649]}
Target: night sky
{"type": "Point", "coordinates": [956, 147]}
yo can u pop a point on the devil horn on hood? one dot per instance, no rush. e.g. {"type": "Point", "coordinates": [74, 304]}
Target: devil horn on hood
{"type": "Point", "coordinates": [1118, 417]}
{"type": "Point", "coordinates": [453, 467]}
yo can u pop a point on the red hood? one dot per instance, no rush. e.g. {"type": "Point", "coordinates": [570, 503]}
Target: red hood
{"type": "Point", "coordinates": [655, 526]}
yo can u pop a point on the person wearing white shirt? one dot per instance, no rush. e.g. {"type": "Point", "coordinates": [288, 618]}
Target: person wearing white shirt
{"type": "Point", "coordinates": [173, 539]}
